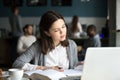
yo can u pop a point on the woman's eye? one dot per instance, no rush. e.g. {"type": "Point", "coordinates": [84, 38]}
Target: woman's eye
{"type": "Point", "coordinates": [56, 30]}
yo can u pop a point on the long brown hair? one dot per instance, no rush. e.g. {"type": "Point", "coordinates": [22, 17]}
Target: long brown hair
{"type": "Point", "coordinates": [74, 26]}
{"type": "Point", "coordinates": [47, 20]}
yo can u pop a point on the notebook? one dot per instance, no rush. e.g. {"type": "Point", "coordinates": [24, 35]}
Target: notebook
{"type": "Point", "coordinates": [51, 74]}
{"type": "Point", "coordinates": [102, 63]}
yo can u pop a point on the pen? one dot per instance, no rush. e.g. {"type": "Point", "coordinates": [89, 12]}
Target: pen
{"type": "Point", "coordinates": [59, 67]}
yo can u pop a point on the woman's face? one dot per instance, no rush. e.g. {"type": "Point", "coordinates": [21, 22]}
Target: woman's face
{"type": "Point", "coordinates": [58, 31]}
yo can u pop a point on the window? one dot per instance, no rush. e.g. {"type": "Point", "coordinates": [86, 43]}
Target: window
{"type": "Point", "coordinates": [61, 2]}
{"type": "Point", "coordinates": [36, 2]}
{"type": "Point", "coordinates": [9, 3]}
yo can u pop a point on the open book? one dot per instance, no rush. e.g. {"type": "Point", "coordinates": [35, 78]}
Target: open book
{"type": "Point", "coordinates": [53, 74]}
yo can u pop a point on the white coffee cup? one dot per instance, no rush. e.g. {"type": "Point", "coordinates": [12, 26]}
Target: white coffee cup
{"type": "Point", "coordinates": [15, 74]}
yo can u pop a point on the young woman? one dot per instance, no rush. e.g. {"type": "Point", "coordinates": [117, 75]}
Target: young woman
{"type": "Point", "coordinates": [53, 50]}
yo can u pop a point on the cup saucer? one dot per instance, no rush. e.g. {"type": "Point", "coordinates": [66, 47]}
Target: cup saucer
{"type": "Point", "coordinates": [5, 74]}
{"type": "Point", "coordinates": [22, 79]}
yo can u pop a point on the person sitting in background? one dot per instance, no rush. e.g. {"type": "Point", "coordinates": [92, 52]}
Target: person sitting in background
{"type": "Point", "coordinates": [26, 40]}
{"type": "Point", "coordinates": [92, 41]}
{"type": "Point", "coordinates": [105, 30]}
{"type": "Point", "coordinates": [53, 50]}
{"type": "Point", "coordinates": [75, 28]}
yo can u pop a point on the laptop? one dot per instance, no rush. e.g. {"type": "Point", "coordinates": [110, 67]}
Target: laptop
{"type": "Point", "coordinates": [102, 63]}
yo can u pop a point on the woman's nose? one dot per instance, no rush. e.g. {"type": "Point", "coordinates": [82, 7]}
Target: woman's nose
{"type": "Point", "coordinates": [61, 31]}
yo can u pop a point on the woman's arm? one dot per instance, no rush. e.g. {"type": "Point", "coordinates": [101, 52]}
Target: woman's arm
{"type": "Point", "coordinates": [57, 68]}
{"type": "Point", "coordinates": [27, 56]}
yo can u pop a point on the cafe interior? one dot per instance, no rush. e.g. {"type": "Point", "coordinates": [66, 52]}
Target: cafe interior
{"type": "Point", "coordinates": [95, 12]}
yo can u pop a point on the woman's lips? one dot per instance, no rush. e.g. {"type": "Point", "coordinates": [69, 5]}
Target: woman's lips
{"type": "Point", "coordinates": [63, 36]}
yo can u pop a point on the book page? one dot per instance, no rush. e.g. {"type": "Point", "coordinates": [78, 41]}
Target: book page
{"type": "Point", "coordinates": [79, 67]}
{"type": "Point", "coordinates": [55, 75]}
{"type": "Point", "coordinates": [52, 74]}
{"type": "Point", "coordinates": [29, 73]}
{"type": "Point", "coordinates": [72, 72]}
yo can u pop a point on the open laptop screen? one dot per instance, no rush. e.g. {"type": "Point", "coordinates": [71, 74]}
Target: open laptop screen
{"type": "Point", "coordinates": [102, 64]}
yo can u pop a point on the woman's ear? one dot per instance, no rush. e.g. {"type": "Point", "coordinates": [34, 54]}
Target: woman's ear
{"type": "Point", "coordinates": [47, 33]}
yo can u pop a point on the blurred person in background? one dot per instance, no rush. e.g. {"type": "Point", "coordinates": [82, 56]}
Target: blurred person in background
{"type": "Point", "coordinates": [26, 40]}
{"type": "Point", "coordinates": [15, 22]}
{"type": "Point", "coordinates": [16, 29]}
{"type": "Point", "coordinates": [92, 41]}
{"type": "Point", "coordinates": [75, 27]}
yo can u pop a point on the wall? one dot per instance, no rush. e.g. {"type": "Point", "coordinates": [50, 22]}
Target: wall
{"type": "Point", "coordinates": [93, 12]}
{"type": "Point", "coordinates": [117, 14]}
{"type": "Point", "coordinates": [112, 22]}
{"type": "Point", "coordinates": [118, 23]}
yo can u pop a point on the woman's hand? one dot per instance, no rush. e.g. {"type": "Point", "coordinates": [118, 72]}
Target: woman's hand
{"type": "Point", "coordinates": [41, 67]}
{"type": "Point", "coordinates": [57, 68]}
{"type": "Point", "coordinates": [80, 62]}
